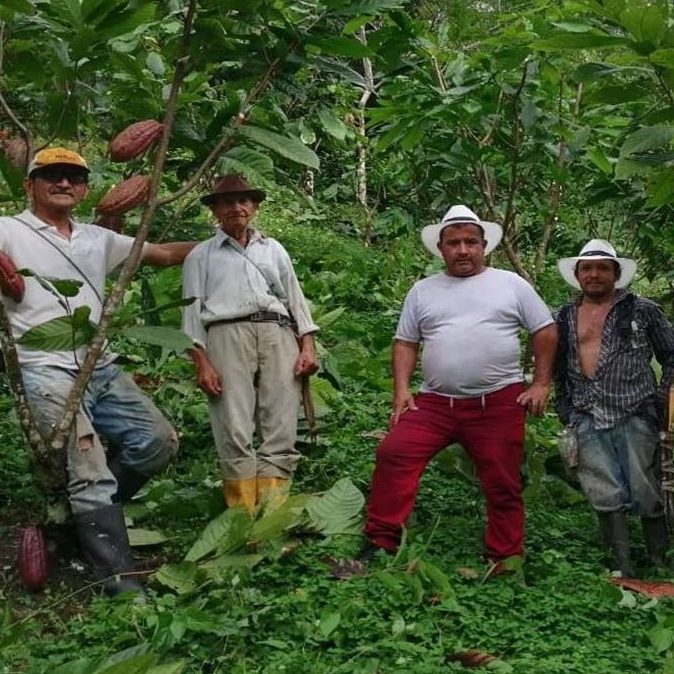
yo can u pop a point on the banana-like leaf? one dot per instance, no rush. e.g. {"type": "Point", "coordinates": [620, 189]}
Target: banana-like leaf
{"type": "Point", "coordinates": [225, 533]}
{"type": "Point", "coordinates": [182, 578]}
{"type": "Point", "coordinates": [159, 335]}
{"type": "Point", "coordinates": [338, 510]}
{"type": "Point", "coordinates": [141, 537]}
{"type": "Point", "coordinates": [60, 334]}
{"type": "Point", "coordinates": [286, 516]}
{"type": "Point", "coordinates": [290, 148]}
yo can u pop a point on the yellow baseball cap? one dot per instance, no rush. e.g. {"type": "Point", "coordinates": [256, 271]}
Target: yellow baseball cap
{"type": "Point", "coordinates": [56, 155]}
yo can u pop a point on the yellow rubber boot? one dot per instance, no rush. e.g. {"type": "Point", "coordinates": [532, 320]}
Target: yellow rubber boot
{"type": "Point", "coordinates": [241, 493]}
{"type": "Point", "coordinates": [272, 491]}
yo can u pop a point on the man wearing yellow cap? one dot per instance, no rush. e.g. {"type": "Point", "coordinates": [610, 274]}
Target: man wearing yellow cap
{"type": "Point", "coordinates": [45, 239]}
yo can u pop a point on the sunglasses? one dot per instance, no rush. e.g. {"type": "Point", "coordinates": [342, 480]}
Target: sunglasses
{"type": "Point", "coordinates": [56, 175]}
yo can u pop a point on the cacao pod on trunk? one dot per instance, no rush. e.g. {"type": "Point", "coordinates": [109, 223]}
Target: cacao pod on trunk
{"type": "Point", "coordinates": [113, 222]}
{"type": "Point", "coordinates": [15, 151]}
{"type": "Point", "coordinates": [125, 196]}
{"type": "Point", "coordinates": [33, 558]}
{"type": "Point", "coordinates": [11, 282]}
{"type": "Point", "coordinates": [135, 140]}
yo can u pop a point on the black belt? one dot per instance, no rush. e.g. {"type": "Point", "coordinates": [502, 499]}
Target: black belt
{"type": "Point", "coordinates": [257, 317]}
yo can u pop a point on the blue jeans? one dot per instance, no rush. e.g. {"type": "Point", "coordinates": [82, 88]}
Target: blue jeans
{"type": "Point", "coordinates": [114, 407]}
{"type": "Point", "coordinates": [618, 468]}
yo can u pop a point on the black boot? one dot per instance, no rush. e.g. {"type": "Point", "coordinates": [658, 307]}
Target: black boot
{"type": "Point", "coordinates": [616, 539]}
{"type": "Point", "coordinates": [129, 481]}
{"type": "Point", "coordinates": [657, 540]}
{"type": "Point", "coordinates": [105, 545]}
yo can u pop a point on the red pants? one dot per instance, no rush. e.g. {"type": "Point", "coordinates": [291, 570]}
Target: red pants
{"type": "Point", "coordinates": [491, 430]}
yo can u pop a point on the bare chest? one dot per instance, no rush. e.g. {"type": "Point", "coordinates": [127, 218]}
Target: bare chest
{"type": "Point", "coordinates": [590, 326]}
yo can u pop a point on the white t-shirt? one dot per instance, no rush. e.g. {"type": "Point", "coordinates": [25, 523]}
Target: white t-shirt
{"type": "Point", "coordinates": [470, 329]}
{"type": "Point", "coordinates": [95, 250]}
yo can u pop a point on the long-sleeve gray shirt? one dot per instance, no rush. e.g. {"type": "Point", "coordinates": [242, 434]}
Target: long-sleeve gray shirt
{"type": "Point", "coordinates": [230, 281]}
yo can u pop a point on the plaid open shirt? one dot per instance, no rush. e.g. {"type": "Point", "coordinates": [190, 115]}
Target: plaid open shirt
{"type": "Point", "coordinates": [623, 378]}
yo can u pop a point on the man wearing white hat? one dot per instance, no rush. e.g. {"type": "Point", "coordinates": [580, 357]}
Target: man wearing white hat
{"type": "Point", "coordinates": [608, 393]}
{"type": "Point", "coordinates": [468, 318]}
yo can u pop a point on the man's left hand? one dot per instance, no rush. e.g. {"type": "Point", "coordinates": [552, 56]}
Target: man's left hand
{"type": "Point", "coordinates": [535, 398]}
{"type": "Point", "coordinates": [306, 363]}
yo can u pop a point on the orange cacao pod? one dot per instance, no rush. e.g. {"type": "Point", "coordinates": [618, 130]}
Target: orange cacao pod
{"type": "Point", "coordinates": [33, 559]}
{"type": "Point", "coordinates": [11, 282]}
{"type": "Point", "coordinates": [113, 222]}
{"type": "Point", "coordinates": [15, 151]}
{"type": "Point", "coordinates": [125, 196]}
{"type": "Point", "coordinates": [135, 140]}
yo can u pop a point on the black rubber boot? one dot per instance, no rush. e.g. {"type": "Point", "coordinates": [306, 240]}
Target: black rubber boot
{"type": "Point", "coordinates": [129, 481]}
{"type": "Point", "coordinates": [105, 545]}
{"type": "Point", "coordinates": [616, 539]}
{"type": "Point", "coordinates": [657, 539]}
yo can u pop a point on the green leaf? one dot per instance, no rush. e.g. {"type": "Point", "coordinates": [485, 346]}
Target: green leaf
{"type": "Point", "coordinates": [176, 667]}
{"type": "Point", "coordinates": [59, 334]}
{"type": "Point", "coordinates": [244, 159]}
{"type": "Point", "coordinates": [343, 46]}
{"type": "Point", "coordinates": [329, 622]}
{"type": "Point", "coordinates": [66, 287]}
{"type": "Point", "coordinates": [138, 664]}
{"type": "Point", "coordinates": [275, 523]}
{"type": "Point", "coordinates": [614, 94]}
{"type": "Point", "coordinates": [338, 510]}
{"type": "Point", "coordinates": [225, 533]}
{"type": "Point", "coordinates": [181, 578]}
{"type": "Point", "coordinates": [661, 638]}
{"type": "Point", "coordinates": [22, 6]}
{"type": "Point", "coordinates": [600, 160]}
{"type": "Point", "coordinates": [159, 335]}
{"type": "Point", "coordinates": [332, 124]}
{"type": "Point", "coordinates": [661, 188]}
{"type": "Point", "coordinates": [140, 537]}
{"type": "Point", "coordinates": [290, 148]}
{"type": "Point", "coordinates": [155, 64]}
{"type": "Point", "coordinates": [662, 57]}
{"type": "Point", "coordinates": [214, 567]}
{"type": "Point", "coordinates": [647, 138]}
{"type": "Point", "coordinates": [579, 41]}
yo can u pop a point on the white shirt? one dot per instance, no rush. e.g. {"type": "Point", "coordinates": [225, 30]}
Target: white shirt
{"type": "Point", "coordinates": [469, 327]}
{"type": "Point", "coordinates": [230, 281]}
{"type": "Point", "coordinates": [95, 250]}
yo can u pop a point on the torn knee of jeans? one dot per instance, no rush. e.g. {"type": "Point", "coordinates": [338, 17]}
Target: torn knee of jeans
{"type": "Point", "coordinates": [85, 442]}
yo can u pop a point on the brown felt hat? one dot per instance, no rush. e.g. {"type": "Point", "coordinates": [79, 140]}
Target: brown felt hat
{"type": "Point", "coordinates": [233, 183]}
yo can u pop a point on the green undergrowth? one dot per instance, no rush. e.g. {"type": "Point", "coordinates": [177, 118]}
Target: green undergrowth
{"type": "Point", "coordinates": [282, 609]}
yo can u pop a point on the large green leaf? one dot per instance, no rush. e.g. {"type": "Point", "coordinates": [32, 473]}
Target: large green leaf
{"type": "Point", "coordinates": [290, 148]}
{"type": "Point", "coordinates": [663, 57]}
{"type": "Point", "coordinates": [227, 532]}
{"type": "Point", "coordinates": [275, 523]}
{"type": "Point", "coordinates": [159, 335]}
{"type": "Point", "coordinates": [214, 567]}
{"type": "Point", "coordinates": [338, 510]}
{"type": "Point", "coordinates": [332, 124]}
{"type": "Point", "coordinates": [647, 138]}
{"type": "Point", "coordinates": [138, 664]}
{"type": "Point", "coordinates": [141, 537]}
{"type": "Point", "coordinates": [181, 578]}
{"type": "Point", "coordinates": [19, 5]}
{"type": "Point", "coordinates": [243, 159]}
{"type": "Point", "coordinates": [343, 46]}
{"type": "Point", "coordinates": [661, 188]}
{"type": "Point", "coordinates": [60, 334]}
{"type": "Point", "coordinates": [579, 41]}
{"type": "Point", "coordinates": [176, 667]}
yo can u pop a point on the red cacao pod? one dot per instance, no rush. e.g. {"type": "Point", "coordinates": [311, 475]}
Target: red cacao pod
{"type": "Point", "coordinates": [33, 558]}
{"type": "Point", "coordinates": [125, 196]}
{"type": "Point", "coordinates": [113, 222]}
{"type": "Point", "coordinates": [11, 282]}
{"type": "Point", "coordinates": [15, 151]}
{"type": "Point", "coordinates": [135, 140]}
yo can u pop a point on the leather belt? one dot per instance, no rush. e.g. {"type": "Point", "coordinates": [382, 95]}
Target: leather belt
{"type": "Point", "coordinates": [257, 317]}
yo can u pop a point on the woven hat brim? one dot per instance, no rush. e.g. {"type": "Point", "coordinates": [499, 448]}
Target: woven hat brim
{"type": "Point", "coordinates": [430, 235]}
{"type": "Point", "coordinates": [567, 266]}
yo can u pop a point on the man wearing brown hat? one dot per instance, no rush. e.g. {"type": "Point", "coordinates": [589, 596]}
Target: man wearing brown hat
{"type": "Point", "coordinates": [45, 239]}
{"type": "Point", "coordinates": [246, 321]}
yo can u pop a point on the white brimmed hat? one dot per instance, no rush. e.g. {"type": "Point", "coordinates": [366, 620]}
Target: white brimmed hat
{"type": "Point", "coordinates": [597, 249]}
{"type": "Point", "coordinates": [461, 215]}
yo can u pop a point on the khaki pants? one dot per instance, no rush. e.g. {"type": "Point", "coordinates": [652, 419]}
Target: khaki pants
{"type": "Point", "coordinates": [256, 364]}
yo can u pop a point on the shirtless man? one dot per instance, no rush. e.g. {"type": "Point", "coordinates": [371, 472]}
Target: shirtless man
{"type": "Point", "coordinates": [607, 391]}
